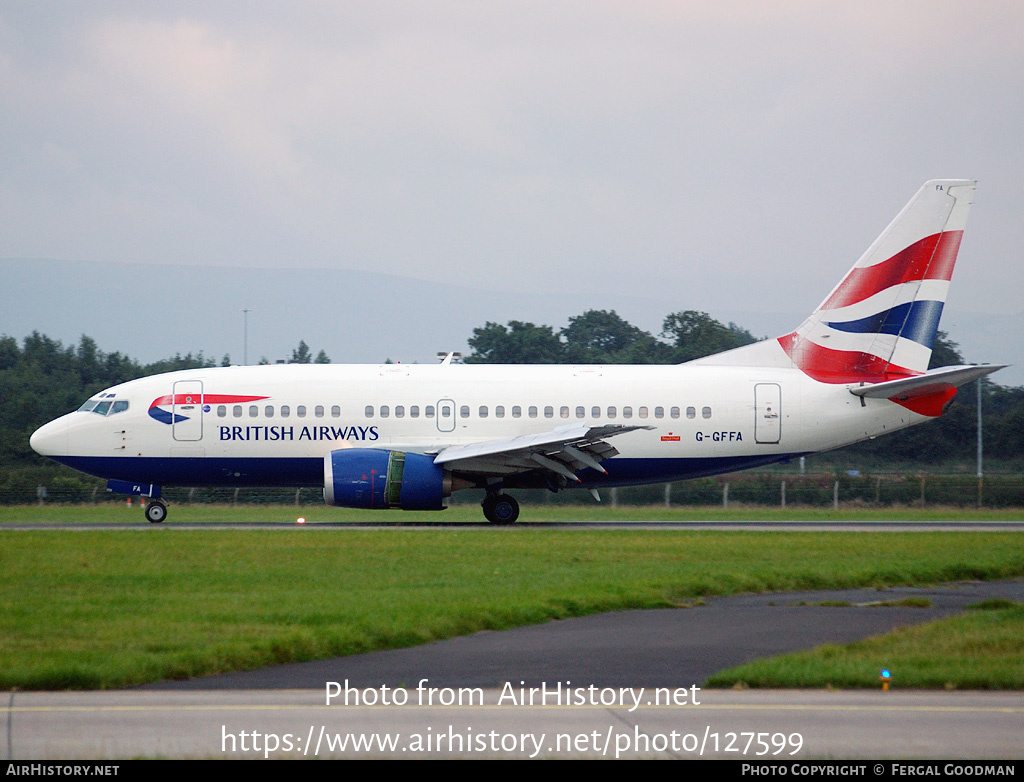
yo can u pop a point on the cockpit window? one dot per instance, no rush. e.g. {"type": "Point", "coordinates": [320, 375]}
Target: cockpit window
{"type": "Point", "coordinates": [104, 407]}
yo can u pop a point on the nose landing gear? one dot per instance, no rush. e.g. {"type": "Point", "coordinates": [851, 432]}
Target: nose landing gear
{"type": "Point", "coordinates": [156, 511]}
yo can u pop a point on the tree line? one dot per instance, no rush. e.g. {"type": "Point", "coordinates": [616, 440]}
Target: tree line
{"type": "Point", "coordinates": [603, 337]}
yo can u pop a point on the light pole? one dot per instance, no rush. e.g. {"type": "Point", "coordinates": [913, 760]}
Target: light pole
{"type": "Point", "coordinates": [245, 337]}
{"type": "Point", "coordinates": [980, 472]}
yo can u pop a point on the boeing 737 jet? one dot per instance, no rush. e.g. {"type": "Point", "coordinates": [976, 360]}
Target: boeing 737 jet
{"type": "Point", "coordinates": [407, 436]}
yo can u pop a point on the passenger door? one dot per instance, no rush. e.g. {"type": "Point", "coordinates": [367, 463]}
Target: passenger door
{"type": "Point", "coordinates": [187, 410]}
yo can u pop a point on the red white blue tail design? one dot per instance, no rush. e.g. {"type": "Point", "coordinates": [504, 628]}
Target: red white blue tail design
{"type": "Point", "coordinates": [879, 323]}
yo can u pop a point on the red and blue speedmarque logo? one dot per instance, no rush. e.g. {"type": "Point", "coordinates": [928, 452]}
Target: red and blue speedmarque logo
{"type": "Point", "coordinates": [175, 402]}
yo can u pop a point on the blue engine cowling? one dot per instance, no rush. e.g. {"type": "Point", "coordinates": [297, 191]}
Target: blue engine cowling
{"type": "Point", "coordinates": [375, 478]}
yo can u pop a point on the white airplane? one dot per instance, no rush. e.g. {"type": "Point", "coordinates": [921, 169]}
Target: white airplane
{"type": "Point", "coordinates": [407, 436]}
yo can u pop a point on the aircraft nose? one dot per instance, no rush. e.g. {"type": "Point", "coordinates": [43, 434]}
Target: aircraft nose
{"type": "Point", "coordinates": [50, 439]}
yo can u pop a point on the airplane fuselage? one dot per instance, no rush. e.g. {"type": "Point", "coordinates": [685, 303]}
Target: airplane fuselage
{"type": "Point", "coordinates": [272, 425]}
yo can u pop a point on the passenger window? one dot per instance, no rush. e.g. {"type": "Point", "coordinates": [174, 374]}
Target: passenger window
{"type": "Point", "coordinates": [399, 411]}
{"type": "Point", "coordinates": [414, 411]}
{"type": "Point", "coordinates": [300, 411]}
{"type": "Point", "coordinates": [532, 411]}
{"type": "Point", "coordinates": [254, 411]}
{"type": "Point", "coordinates": [595, 412]}
{"type": "Point", "coordinates": [368, 412]}
{"type": "Point", "coordinates": [674, 412]}
{"type": "Point", "coordinates": [483, 411]}
{"type": "Point", "coordinates": [499, 411]}
{"type": "Point", "coordinates": [627, 412]}
{"type": "Point", "coordinates": [611, 411]}
{"type": "Point", "coordinates": [385, 411]}
{"type": "Point", "coordinates": [236, 411]}
{"type": "Point", "coordinates": [335, 411]}
{"type": "Point", "coordinates": [318, 411]}
{"type": "Point", "coordinates": [517, 411]}
{"type": "Point", "coordinates": [581, 411]}
{"type": "Point", "coordinates": [428, 411]}
{"type": "Point", "coordinates": [659, 412]}
{"type": "Point", "coordinates": [268, 411]}
{"type": "Point", "coordinates": [706, 412]}
{"type": "Point", "coordinates": [549, 411]}
{"type": "Point", "coordinates": [642, 412]}
{"type": "Point", "coordinates": [285, 411]}
{"type": "Point", "coordinates": [563, 411]}
{"type": "Point", "coordinates": [222, 411]}
{"type": "Point", "coordinates": [691, 412]}
{"type": "Point", "coordinates": [464, 411]}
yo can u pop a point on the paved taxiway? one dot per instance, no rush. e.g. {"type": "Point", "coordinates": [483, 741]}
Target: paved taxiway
{"type": "Point", "coordinates": [725, 723]}
{"type": "Point", "coordinates": [139, 525]}
{"type": "Point", "coordinates": [610, 657]}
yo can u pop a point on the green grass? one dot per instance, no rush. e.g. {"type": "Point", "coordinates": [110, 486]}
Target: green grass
{"type": "Point", "coordinates": [982, 650]}
{"type": "Point", "coordinates": [95, 608]}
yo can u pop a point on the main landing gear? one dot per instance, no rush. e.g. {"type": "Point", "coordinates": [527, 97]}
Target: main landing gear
{"type": "Point", "coordinates": [156, 511]}
{"type": "Point", "coordinates": [500, 509]}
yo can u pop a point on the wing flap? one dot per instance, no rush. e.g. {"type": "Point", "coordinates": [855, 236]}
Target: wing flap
{"type": "Point", "coordinates": [564, 451]}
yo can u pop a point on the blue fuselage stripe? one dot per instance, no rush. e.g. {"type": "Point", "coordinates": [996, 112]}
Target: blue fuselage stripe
{"type": "Point", "coordinates": [305, 471]}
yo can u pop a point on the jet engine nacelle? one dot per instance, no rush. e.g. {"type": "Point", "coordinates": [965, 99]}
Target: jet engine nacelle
{"type": "Point", "coordinates": [375, 478]}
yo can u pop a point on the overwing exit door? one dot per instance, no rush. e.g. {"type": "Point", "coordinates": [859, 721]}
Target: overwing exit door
{"type": "Point", "coordinates": [446, 415]}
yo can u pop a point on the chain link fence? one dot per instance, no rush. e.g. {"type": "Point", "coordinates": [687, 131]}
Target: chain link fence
{"type": "Point", "coordinates": [740, 489]}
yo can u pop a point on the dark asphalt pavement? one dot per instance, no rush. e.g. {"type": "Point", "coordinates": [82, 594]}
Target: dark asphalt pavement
{"type": "Point", "coordinates": [649, 648]}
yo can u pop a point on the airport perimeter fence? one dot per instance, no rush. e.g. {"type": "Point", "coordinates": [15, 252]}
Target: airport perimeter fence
{"type": "Point", "coordinates": [739, 489]}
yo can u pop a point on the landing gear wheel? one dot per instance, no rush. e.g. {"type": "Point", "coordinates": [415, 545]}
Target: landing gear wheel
{"type": "Point", "coordinates": [500, 509]}
{"type": "Point", "coordinates": [156, 511]}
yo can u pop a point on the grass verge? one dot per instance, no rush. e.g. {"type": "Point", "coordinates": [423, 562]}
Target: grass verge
{"type": "Point", "coordinates": [982, 650]}
{"type": "Point", "coordinates": [97, 609]}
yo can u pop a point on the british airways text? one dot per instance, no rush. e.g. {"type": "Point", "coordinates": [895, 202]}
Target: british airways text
{"type": "Point", "coordinates": [291, 433]}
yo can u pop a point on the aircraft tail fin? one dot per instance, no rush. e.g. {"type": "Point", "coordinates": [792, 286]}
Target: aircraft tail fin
{"type": "Point", "coordinates": [879, 322]}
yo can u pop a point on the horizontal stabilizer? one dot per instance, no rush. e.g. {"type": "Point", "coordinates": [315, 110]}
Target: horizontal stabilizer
{"type": "Point", "coordinates": [931, 382]}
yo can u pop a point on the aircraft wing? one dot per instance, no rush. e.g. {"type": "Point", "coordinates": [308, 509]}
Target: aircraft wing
{"type": "Point", "coordinates": [932, 381]}
{"type": "Point", "coordinates": [564, 451]}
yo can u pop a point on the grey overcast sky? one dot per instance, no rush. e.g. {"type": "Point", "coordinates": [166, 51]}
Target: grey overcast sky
{"type": "Point", "coordinates": [730, 156]}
